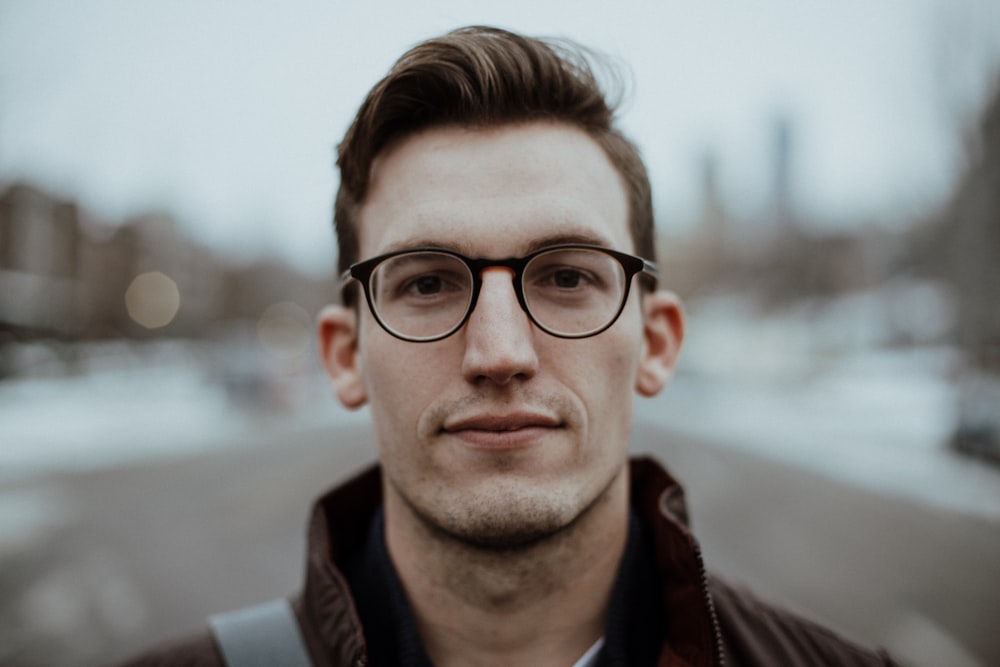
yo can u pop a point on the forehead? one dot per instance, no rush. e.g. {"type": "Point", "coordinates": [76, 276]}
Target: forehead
{"type": "Point", "coordinates": [494, 192]}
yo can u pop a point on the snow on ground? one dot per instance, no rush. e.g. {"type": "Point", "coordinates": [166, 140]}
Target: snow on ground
{"type": "Point", "coordinates": [98, 420]}
{"type": "Point", "coordinates": [820, 389]}
{"type": "Point", "coordinates": [890, 438]}
{"type": "Point", "coordinates": [171, 406]}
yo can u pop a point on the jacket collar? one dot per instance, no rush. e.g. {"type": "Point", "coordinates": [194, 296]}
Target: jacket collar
{"type": "Point", "coordinates": [691, 635]}
{"type": "Point", "coordinates": [339, 525]}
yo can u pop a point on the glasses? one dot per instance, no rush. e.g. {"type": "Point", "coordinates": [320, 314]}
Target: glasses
{"type": "Point", "coordinates": [569, 291]}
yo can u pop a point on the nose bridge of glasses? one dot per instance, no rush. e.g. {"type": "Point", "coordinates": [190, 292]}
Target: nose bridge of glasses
{"type": "Point", "coordinates": [486, 268]}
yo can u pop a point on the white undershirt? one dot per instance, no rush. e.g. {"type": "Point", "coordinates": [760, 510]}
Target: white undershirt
{"type": "Point", "coordinates": [589, 658]}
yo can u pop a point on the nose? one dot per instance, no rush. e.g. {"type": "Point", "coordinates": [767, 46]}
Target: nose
{"type": "Point", "coordinates": [499, 337]}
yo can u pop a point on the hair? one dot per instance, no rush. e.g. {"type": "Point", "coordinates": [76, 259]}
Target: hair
{"type": "Point", "coordinates": [484, 77]}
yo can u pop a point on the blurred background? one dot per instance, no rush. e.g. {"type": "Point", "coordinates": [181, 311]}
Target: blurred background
{"type": "Point", "coordinates": [827, 185]}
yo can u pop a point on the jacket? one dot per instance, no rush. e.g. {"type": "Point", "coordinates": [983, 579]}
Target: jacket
{"type": "Point", "coordinates": [709, 622]}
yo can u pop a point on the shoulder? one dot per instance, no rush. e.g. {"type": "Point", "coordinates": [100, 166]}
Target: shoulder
{"type": "Point", "coordinates": [196, 650]}
{"type": "Point", "coordinates": [756, 632]}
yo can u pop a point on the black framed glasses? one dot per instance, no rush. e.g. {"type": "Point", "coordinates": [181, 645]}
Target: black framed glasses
{"type": "Point", "coordinates": [570, 290]}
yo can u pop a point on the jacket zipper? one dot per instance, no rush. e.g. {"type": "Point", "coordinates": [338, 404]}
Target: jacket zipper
{"type": "Point", "coordinates": [718, 657]}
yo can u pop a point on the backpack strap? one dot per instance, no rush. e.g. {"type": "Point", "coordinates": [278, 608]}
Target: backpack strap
{"type": "Point", "coordinates": [265, 635]}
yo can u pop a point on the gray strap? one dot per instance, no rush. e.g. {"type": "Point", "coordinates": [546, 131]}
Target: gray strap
{"type": "Point", "coordinates": [266, 635]}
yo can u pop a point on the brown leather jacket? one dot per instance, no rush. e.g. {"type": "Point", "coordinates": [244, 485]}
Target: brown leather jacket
{"type": "Point", "coordinates": [709, 622]}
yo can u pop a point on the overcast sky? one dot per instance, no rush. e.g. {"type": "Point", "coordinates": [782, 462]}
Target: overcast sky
{"type": "Point", "coordinates": [226, 113]}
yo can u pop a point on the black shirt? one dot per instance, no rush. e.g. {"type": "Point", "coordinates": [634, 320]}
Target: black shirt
{"type": "Point", "coordinates": [631, 635]}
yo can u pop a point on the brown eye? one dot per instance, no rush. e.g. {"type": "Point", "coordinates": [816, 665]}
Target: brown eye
{"type": "Point", "coordinates": [567, 279]}
{"type": "Point", "coordinates": [426, 285]}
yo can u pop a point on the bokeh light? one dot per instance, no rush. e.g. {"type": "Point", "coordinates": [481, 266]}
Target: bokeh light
{"type": "Point", "coordinates": [152, 300]}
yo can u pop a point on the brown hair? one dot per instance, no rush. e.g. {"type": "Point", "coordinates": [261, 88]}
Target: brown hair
{"type": "Point", "coordinates": [482, 76]}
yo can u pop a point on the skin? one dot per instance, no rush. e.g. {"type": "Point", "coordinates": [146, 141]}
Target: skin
{"type": "Point", "coordinates": [504, 449]}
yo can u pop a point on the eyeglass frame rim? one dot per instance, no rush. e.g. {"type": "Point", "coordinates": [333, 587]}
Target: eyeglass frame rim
{"type": "Point", "coordinates": [633, 265]}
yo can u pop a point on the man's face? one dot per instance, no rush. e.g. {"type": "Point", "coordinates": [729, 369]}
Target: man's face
{"type": "Point", "coordinates": [501, 433]}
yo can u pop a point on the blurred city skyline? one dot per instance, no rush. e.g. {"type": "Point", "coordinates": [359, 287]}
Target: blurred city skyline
{"type": "Point", "coordinates": [225, 116]}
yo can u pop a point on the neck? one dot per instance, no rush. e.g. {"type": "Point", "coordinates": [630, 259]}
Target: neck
{"type": "Point", "coordinates": [541, 604]}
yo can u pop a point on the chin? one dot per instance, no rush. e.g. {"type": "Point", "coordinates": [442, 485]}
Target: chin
{"type": "Point", "coordinates": [506, 518]}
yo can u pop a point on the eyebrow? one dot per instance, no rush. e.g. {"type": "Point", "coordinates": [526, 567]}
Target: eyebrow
{"type": "Point", "coordinates": [587, 237]}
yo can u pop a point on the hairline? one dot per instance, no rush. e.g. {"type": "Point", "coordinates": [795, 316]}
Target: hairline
{"type": "Point", "coordinates": [594, 134]}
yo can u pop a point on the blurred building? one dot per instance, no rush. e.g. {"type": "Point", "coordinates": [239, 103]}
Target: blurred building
{"type": "Point", "coordinates": [66, 279]}
{"type": "Point", "coordinates": [695, 263]}
{"type": "Point", "coordinates": [780, 257]}
{"type": "Point", "coordinates": [968, 245]}
{"type": "Point", "coordinates": [40, 242]}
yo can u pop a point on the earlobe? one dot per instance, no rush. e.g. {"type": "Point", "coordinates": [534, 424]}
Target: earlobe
{"type": "Point", "coordinates": [338, 342]}
{"type": "Point", "coordinates": [663, 333]}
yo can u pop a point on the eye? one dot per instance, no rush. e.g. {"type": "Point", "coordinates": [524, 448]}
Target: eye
{"type": "Point", "coordinates": [563, 277]}
{"type": "Point", "coordinates": [422, 278]}
{"type": "Point", "coordinates": [567, 278]}
{"type": "Point", "coordinates": [572, 275]}
{"type": "Point", "coordinates": [425, 285]}
{"type": "Point", "coordinates": [431, 286]}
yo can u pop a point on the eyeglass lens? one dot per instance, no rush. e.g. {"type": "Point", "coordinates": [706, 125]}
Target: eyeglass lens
{"type": "Point", "coordinates": [567, 291]}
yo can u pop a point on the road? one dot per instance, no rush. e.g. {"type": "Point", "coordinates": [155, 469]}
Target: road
{"type": "Point", "coordinates": [126, 556]}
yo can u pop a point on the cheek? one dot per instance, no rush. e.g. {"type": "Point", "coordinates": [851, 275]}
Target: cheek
{"type": "Point", "coordinates": [604, 375]}
{"type": "Point", "coordinates": [618, 351]}
{"type": "Point", "coordinates": [401, 378]}
{"type": "Point", "coordinates": [617, 387]}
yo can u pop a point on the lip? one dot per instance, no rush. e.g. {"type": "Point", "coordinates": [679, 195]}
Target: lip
{"type": "Point", "coordinates": [502, 431]}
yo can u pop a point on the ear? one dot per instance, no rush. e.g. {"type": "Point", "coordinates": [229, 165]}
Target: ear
{"type": "Point", "coordinates": [663, 332]}
{"type": "Point", "coordinates": [338, 344]}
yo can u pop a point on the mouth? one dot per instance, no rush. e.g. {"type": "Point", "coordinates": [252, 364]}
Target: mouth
{"type": "Point", "coordinates": [502, 431]}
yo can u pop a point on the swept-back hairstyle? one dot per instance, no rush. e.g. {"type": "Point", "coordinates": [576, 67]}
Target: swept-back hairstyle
{"type": "Point", "coordinates": [482, 77]}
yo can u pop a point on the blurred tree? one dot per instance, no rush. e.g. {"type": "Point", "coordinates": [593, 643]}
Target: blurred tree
{"type": "Point", "coordinates": [972, 268]}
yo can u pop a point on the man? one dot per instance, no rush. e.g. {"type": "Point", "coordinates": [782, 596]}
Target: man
{"type": "Point", "coordinates": [500, 308]}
